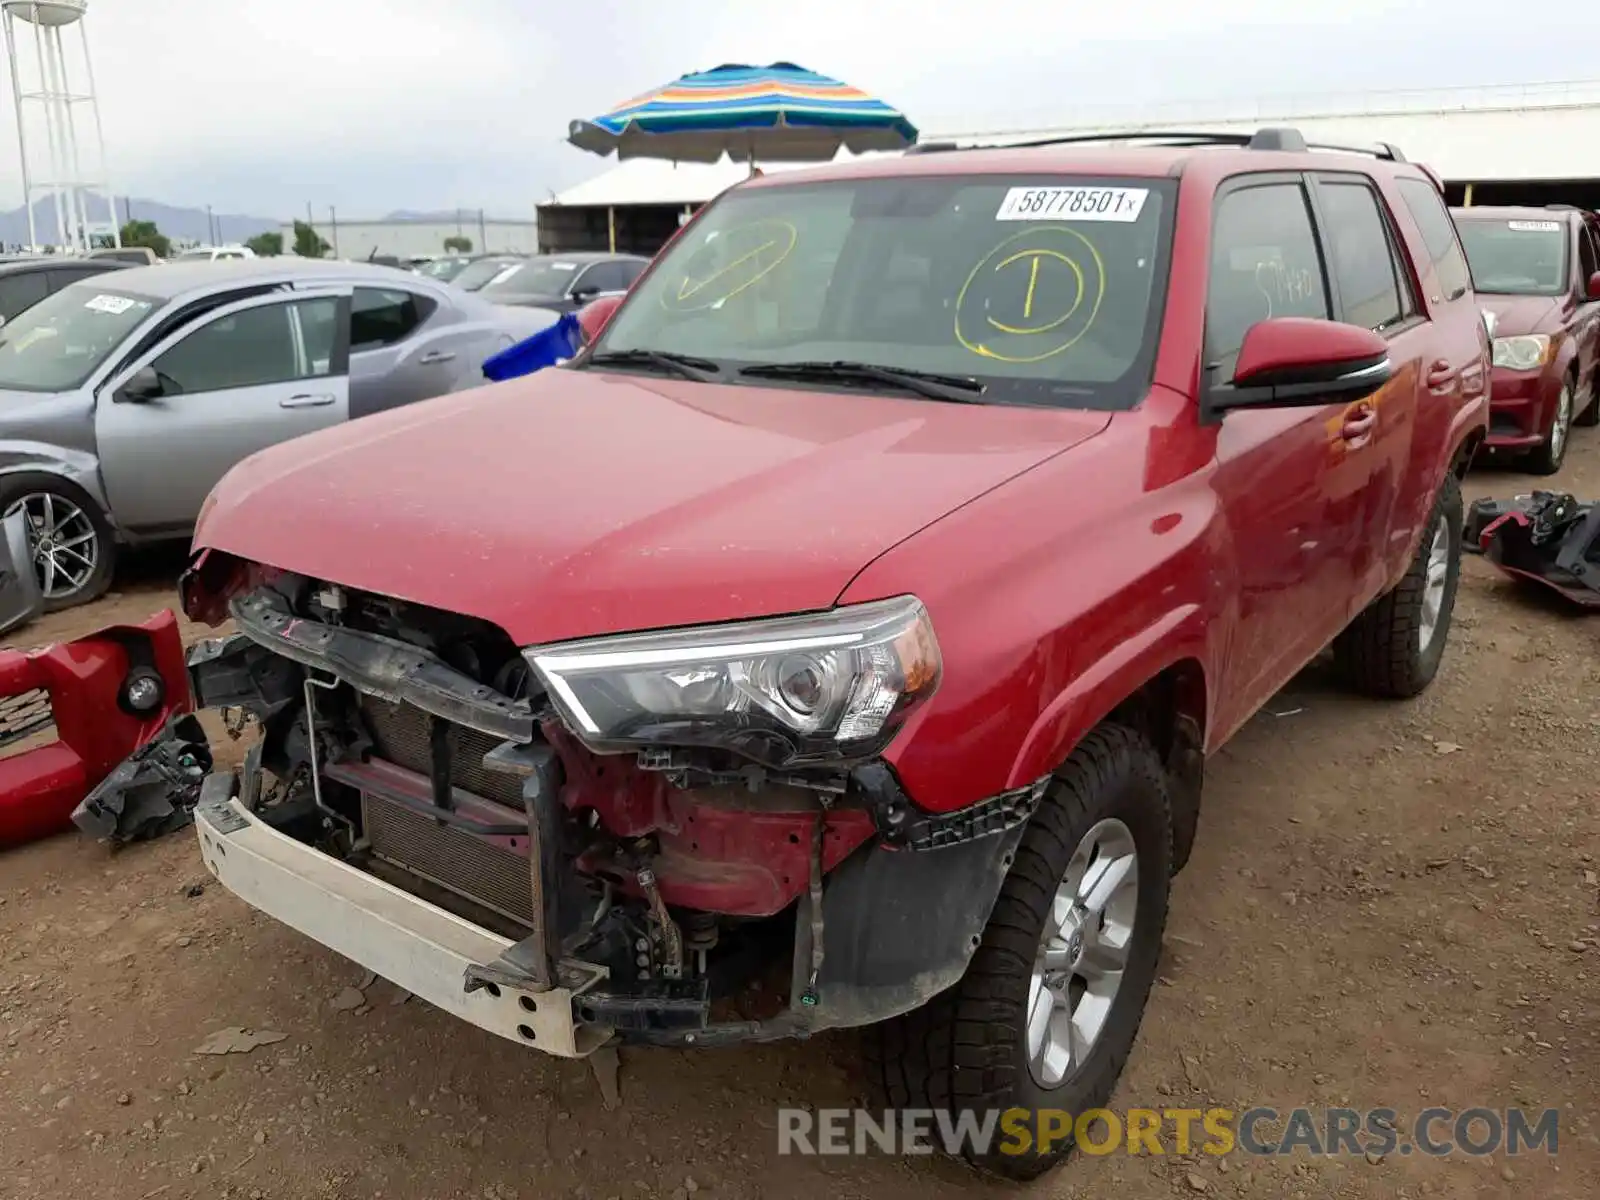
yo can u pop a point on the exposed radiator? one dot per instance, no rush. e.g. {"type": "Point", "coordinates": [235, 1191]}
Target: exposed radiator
{"type": "Point", "coordinates": [401, 734]}
{"type": "Point", "coordinates": [458, 862]}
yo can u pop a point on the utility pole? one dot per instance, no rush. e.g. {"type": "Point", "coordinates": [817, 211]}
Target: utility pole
{"type": "Point", "coordinates": [211, 228]}
{"type": "Point", "coordinates": [483, 233]}
{"type": "Point", "coordinates": [333, 220]}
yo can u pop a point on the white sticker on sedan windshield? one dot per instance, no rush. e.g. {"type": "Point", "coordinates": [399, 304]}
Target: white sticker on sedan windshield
{"type": "Point", "coordinates": [1535, 226]}
{"type": "Point", "coordinates": [115, 305]}
{"type": "Point", "coordinates": [1072, 204]}
{"type": "Point", "coordinates": [563, 266]}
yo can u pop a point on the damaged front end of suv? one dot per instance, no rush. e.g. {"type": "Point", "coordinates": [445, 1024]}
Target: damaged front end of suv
{"type": "Point", "coordinates": [685, 837]}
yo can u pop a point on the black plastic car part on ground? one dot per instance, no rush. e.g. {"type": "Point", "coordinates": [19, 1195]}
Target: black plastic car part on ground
{"type": "Point", "coordinates": [1549, 538]}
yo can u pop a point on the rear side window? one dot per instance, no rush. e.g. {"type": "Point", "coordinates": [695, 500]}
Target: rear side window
{"type": "Point", "coordinates": [22, 291]}
{"type": "Point", "coordinates": [1361, 257]}
{"type": "Point", "coordinates": [384, 316]}
{"type": "Point", "coordinates": [1588, 263]}
{"type": "Point", "coordinates": [1264, 263]}
{"type": "Point", "coordinates": [1439, 235]}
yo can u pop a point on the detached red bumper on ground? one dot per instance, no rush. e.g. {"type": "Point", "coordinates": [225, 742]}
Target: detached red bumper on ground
{"type": "Point", "coordinates": [85, 683]}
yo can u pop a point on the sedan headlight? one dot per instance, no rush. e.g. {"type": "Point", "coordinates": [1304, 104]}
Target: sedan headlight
{"type": "Point", "coordinates": [1524, 353]}
{"type": "Point", "coordinates": [828, 687]}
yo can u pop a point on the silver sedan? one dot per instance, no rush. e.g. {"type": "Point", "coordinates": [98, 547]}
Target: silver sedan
{"type": "Point", "coordinates": [125, 398]}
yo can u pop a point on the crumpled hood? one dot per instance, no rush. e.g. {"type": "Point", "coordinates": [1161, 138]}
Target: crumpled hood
{"type": "Point", "coordinates": [573, 503]}
{"type": "Point", "coordinates": [1517, 315]}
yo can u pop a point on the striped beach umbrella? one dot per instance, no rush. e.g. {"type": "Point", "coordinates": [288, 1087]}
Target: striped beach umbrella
{"type": "Point", "coordinates": [777, 113]}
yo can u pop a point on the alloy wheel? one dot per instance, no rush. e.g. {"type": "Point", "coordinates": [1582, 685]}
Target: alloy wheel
{"type": "Point", "coordinates": [1083, 953]}
{"type": "Point", "coordinates": [65, 543]}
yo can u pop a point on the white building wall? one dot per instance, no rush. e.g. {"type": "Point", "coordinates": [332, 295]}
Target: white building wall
{"type": "Point", "coordinates": [404, 239]}
{"type": "Point", "coordinates": [1513, 133]}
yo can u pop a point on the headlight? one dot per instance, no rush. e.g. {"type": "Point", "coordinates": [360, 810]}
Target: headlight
{"type": "Point", "coordinates": [828, 687]}
{"type": "Point", "coordinates": [1522, 353]}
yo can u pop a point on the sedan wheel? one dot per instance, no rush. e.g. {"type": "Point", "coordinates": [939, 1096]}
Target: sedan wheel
{"type": "Point", "coordinates": [69, 540]}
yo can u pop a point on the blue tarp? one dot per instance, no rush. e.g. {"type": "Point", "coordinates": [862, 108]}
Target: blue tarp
{"type": "Point", "coordinates": [544, 349]}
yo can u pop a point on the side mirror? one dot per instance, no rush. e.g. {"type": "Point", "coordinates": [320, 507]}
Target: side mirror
{"type": "Point", "coordinates": [143, 385]}
{"type": "Point", "coordinates": [593, 317]}
{"type": "Point", "coordinates": [585, 294]}
{"type": "Point", "coordinates": [1592, 291]}
{"type": "Point", "coordinates": [1303, 362]}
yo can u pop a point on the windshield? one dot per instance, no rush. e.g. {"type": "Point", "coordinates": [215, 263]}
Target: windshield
{"type": "Point", "coordinates": [56, 345]}
{"type": "Point", "coordinates": [1515, 258]}
{"type": "Point", "coordinates": [1043, 288]}
{"type": "Point", "coordinates": [478, 273]}
{"type": "Point", "coordinates": [535, 277]}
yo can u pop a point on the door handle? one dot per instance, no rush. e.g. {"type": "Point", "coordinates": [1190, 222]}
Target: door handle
{"type": "Point", "coordinates": [436, 356]}
{"type": "Point", "coordinates": [306, 401]}
{"type": "Point", "coordinates": [1358, 425]}
{"type": "Point", "coordinates": [1441, 375]}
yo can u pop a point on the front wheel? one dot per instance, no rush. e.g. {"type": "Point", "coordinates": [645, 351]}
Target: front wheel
{"type": "Point", "coordinates": [1393, 649]}
{"type": "Point", "coordinates": [74, 550]}
{"type": "Point", "coordinates": [1050, 1005]}
{"type": "Point", "coordinates": [1547, 459]}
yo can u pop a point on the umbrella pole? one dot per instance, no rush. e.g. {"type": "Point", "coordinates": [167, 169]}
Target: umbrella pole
{"type": "Point", "coordinates": [611, 228]}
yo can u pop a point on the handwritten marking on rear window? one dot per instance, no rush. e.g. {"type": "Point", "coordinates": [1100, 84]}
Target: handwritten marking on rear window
{"type": "Point", "coordinates": [1534, 226]}
{"type": "Point", "coordinates": [1072, 204]}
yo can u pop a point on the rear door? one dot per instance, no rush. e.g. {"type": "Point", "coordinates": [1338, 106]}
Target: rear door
{"type": "Point", "coordinates": [404, 347]}
{"type": "Point", "coordinates": [1372, 289]}
{"type": "Point", "coordinates": [244, 377]}
{"type": "Point", "coordinates": [1293, 492]}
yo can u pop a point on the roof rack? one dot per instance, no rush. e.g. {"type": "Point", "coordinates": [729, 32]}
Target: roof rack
{"type": "Point", "coordinates": [1270, 138]}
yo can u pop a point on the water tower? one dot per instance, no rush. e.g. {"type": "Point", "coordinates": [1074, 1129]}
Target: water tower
{"type": "Point", "coordinates": [52, 91]}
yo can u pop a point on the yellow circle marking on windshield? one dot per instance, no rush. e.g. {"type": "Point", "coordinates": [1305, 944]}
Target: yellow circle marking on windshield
{"type": "Point", "coordinates": [770, 241]}
{"type": "Point", "coordinates": [1042, 287]}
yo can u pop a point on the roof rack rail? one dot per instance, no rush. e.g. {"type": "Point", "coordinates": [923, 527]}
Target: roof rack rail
{"type": "Point", "coordinates": [1279, 138]}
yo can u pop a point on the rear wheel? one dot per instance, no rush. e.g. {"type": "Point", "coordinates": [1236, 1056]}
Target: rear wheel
{"type": "Point", "coordinates": [1547, 459]}
{"type": "Point", "coordinates": [74, 550]}
{"type": "Point", "coordinates": [1050, 1005]}
{"type": "Point", "coordinates": [1393, 649]}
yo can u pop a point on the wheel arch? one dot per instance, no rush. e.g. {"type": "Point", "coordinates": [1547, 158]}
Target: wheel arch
{"type": "Point", "coordinates": [1157, 683]}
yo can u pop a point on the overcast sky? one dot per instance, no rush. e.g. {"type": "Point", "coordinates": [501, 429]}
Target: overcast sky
{"type": "Point", "coordinates": [375, 105]}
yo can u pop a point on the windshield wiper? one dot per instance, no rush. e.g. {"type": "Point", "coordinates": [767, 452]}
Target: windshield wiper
{"type": "Point", "coordinates": [701, 370]}
{"type": "Point", "coordinates": [960, 388]}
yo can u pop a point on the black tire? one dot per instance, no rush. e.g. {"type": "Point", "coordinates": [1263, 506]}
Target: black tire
{"type": "Point", "coordinates": [1590, 416]}
{"type": "Point", "coordinates": [1381, 652]}
{"type": "Point", "coordinates": [1552, 452]}
{"type": "Point", "coordinates": [14, 488]}
{"type": "Point", "coordinates": [967, 1049]}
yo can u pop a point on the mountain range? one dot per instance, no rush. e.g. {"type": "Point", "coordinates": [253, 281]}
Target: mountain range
{"type": "Point", "coordinates": [180, 224]}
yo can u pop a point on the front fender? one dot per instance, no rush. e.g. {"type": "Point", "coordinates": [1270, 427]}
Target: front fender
{"type": "Point", "coordinates": [1092, 695]}
{"type": "Point", "coordinates": [18, 457]}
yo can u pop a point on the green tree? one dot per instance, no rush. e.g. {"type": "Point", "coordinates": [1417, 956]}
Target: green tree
{"type": "Point", "coordinates": [267, 245]}
{"type": "Point", "coordinates": [456, 244]}
{"type": "Point", "coordinates": [145, 233]}
{"type": "Point", "coordinates": [308, 243]}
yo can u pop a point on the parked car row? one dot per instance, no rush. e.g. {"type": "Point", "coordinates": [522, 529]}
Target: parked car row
{"type": "Point", "coordinates": [128, 393]}
{"type": "Point", "coordinates": [552, 283]}
{"type": "Point", "coordinates": [1536, 271]}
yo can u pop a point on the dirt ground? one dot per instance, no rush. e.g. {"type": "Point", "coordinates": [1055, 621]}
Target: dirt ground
{"type": "Point", "coordinates": [1389, 906]}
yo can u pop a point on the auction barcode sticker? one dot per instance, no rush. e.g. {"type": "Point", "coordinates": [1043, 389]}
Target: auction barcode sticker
{"type": "Point", "coordinates": [115, 305]}
{"type": "Point", "coordinates": [1535, 226]}
{"type": "Point", "coordinates": [1072, 204]}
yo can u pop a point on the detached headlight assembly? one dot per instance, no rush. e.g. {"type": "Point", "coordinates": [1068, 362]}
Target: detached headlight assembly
{"type": "Point", "coordinates": [788, 691]}
{"type": "Point", "coordinates": [1525, 353]}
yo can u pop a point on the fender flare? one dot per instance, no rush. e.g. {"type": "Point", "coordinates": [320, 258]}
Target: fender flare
{"type": "Point", "coordinates": [75, 466]}
{"type": "Point", "coordinates": [1093, 694]}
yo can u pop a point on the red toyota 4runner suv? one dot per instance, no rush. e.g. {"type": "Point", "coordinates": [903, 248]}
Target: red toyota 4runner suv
{"type": "Point", "coordinates": [1537, 270]}
{"type": "Point", "coordinates": [854, 615]}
